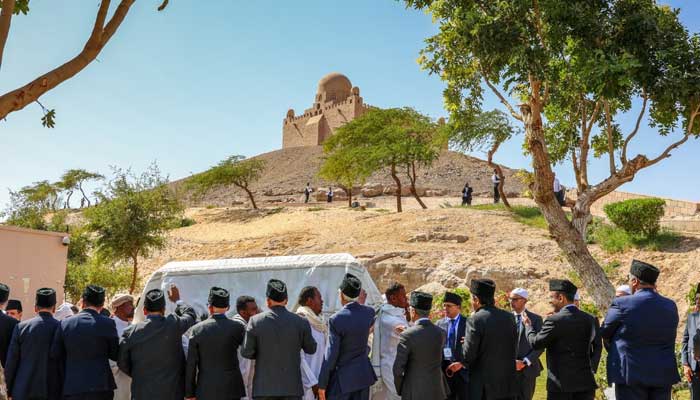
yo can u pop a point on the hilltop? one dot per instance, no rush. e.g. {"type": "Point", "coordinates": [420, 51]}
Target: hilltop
{"type": "Point", "coordinates": [288, 170]}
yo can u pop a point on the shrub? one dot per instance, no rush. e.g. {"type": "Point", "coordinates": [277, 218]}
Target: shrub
{"type": "Point", "coordinates": [637, 216]}
{"type": "Point", "coordinates": [113, 277]}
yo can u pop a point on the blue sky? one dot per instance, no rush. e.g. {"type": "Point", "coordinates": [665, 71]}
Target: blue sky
{"type": "Point", "coordinates": [192, 85]}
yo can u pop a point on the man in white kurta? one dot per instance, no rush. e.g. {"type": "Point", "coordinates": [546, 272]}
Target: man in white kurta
{"type": "Point", "coordinates": [391, 322]}
{"type": "Point", "coordinates": [311, 307]}
{"type": "Point", "coordinates": [122, 306]}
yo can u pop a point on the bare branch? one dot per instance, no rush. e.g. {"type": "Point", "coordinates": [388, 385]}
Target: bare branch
{"type": "Point", "coordinates": [27, 94]}
{"type": "Point", "coordinates": [502, 98]}
{"type": "Point", "coordinates": [8, 8]}
{"type": "Point", "coordinates": [164, 4]}
{"type": "Point", "coordinates": [98, 27]}
{"type": "Point", "coordinates": [609, 132]}
{"type": "Point", "coordinates": [629, 137]}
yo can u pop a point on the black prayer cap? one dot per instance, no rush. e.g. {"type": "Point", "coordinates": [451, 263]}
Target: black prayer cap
{"type": "Point", "coordinates": [452, 298]}
{"type": "Point", "coordinates": [45, 298]}
{"type": "Point", "coordinates": [94, 295]}
{"type": "Point", "coordinates": [155, 300]}
{"type": "Point", "coordinates": [563, 285]}
{"type": "Point", "coordinates": [645, 272]}
{"type": "Point", "coordinates": [218, 297]}
{"type": "Point", "coordinates": [14, 305]}
{"type": "Point", "coordinates": [351, 286]}
{"type": "Point", "coordinates": [483, 287]}
{"type": "Point", "coordinates": [421, 301]}
{"type": "Point", "coordinates": [4, 292]}
{"type": "Point", "coordinates": [276, 290]}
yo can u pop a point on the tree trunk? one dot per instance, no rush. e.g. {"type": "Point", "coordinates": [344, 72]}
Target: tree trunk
{"type": "Point", "coordinates": [412, 178]}
{"type": "Point", "coordinates": [398, 187]}
{"type": "Point", "coordinates": [134, 273]}
{"type": "Point", "coordinates": [581, 217]}
{"type": "Point", "coordinates": [250, 196]}
{"type": "Point", "coordinates": [67, 205]}
{"type": "Point", "coordinates": [565, 234]}
{"type": "Point", "coordinates": [80, 186]}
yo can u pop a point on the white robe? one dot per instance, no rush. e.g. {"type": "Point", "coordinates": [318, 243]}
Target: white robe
{"type": "Point", "coordinates": [246, 365]}
{"type": "Point", "coordinates": [123, 381]}
{"type": "Point", "coordinates": [390, 318]}
{"type": "Point", "coordinates": [311, 363]}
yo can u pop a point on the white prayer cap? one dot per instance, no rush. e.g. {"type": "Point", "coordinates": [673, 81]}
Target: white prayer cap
{"type": "Point", "coordinates": [63, 311]}
{"type": "Point", "coordinates": [120, 299]}
{"type": "Point", "coordinates": [577, 297]}
{"type": "Point", "coordinates": [519, 292]}
{"type": "Point", "coordinates": [624, 289]}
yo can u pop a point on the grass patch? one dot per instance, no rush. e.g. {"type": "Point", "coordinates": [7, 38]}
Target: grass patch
{"type": "Point", "coordinates": [314, 209]}
{"type": "Point", "coordinates": [530, 216]}
{"type": "Point", "coordinates": [273, 211]}
{"type": "Point", "coordinates": [615, 240]}
{"type": "Point", "coordinates": [381, 210]}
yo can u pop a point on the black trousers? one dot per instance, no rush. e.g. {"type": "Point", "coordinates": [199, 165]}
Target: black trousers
{"type": "Point", "coordinates": [91, 396]}
{"type": "Point", "coordinates": [695, 387]}
{"type": "Point", "coordinates": [638, 392]}
{"type": "Point", "coordinates": [459, 389]}
{"type": "Point", "coordinates": [496, 195]}
{"type": "Point", "coordinates": [358, 395]}
{"type": "Point", "coordinates": [585, 395]}
{"type": "Point", "coordinates": [526, 385]}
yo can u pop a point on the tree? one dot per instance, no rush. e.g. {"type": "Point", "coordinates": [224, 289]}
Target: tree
{"type": "Point", "coordinates": [133, 220]}
{"type": "Point", "coordinates": [345, 168]}
{"type": "Point", "coordinates": [74, 179]}
{"type": "Point", "coordinates": [235, 170]}
{"type": "Point", "coordinates": [484, 131]}
{"type": "Point", "coordinates": [102, 31]}
{"type": "Point", "coordinates": [396, 139]}
{"type": "Point", "coordinates": [575, 66]}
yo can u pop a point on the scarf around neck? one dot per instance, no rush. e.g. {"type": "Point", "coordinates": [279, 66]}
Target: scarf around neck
{"type": "Point", "coordinates": [317, 321]}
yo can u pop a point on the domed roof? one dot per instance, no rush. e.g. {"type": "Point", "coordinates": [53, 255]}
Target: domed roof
{"type": "Point", "coordinates": [334, 82]}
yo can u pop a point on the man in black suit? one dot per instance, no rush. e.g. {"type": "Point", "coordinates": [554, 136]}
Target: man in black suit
{"type": "Point", "coordinates": [212, 371]}
{"type": "Point", "coordinates": [489, 347]}
{"type": "Point", "coordinates": [83, 346]}
{"type": "Point", "coordinates": [418, 364]}
{"type": "Point", "coordinates": [151, 351]}
{"type": "Point", "coordinates": [274, 339]}
{"type": "Point", "coordinates": [7, 324]}
{"type": "Point", "coordinates": [14, 309]}
{"type": "Point", "coordinates": [527, 364]}
{"type": "Point", "coordinates": [572, 340]}
{"type": "Point", "coordinates": [30, 373]}
{"type": "Point", "coordinates": [454, 324]}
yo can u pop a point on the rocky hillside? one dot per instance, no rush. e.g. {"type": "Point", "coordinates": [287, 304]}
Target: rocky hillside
{"type": "Point", "coordinates": [289, 170]}
{"type": "Point", "coordinates": [435, 249]}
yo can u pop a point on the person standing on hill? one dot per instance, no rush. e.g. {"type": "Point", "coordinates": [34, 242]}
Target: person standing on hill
{"type": "Point", "coordinates": [467, 195]}
{"type": "Point", "coordinates": [330, 195]}
{"type": "Point", "coordinates": [496, 180]}
{"type": "Point", "coordinates": [307, 192]}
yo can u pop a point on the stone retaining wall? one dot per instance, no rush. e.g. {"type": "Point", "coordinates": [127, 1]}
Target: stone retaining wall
{"type": "Point", "coordinates": [674, 208]}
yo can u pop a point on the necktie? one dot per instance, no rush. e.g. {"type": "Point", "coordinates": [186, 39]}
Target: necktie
{"type": "Point", "coordinates": [518, 321]}
{"type": "Point", "coordinates": [452, 334]}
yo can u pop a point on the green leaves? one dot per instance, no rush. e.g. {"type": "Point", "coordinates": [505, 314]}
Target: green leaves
{"type": "Point", "coordinates": [49, 119]}
{"type": "Point", "coordinates": [235, 170]}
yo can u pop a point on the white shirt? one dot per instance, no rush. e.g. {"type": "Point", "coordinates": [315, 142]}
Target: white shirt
{"type": "Point", "coordinates": [557, 185]}
{"type": "Point", "coordinates": [389, 321]}
{"type": "Point", "coordinates": [311, 363]}
{"type": "Point", "coordinates": [495, 179]}
{"type": "Point", "coordinates": [122, 380]}
{"type": "Point", "coordinates": [520, 327]}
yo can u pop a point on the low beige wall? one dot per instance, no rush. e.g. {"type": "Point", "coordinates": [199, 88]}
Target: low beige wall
{"type": "Point", "coordinates": [674, 208]}
{"type": "Point", "coordinates": [29, 260]}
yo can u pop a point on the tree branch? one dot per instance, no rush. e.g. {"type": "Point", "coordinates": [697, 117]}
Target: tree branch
{"type": "Point", "coordinates": [27, 94]}
{"type": "Point", "coordinates": [608, 131]}
{"type": "Point", "coordinates": [8, 8]}
{"type": "Point", "coordinates": [98, 27]}
{"type": "Point", "coordinates": [629, 137]}
{"type": "Point", "coordinates": [502, 98]}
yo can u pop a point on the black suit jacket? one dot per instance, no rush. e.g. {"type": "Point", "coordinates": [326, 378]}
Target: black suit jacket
{"type": "Point", "coordinates": [457, 351]}
{"type": "Point", "coordinates": [7, 326]}
{"type": "Point", "coordinates": [572, 340]}
{"type": "Point", "coordinates": [29, 372]}
{"type": "Point", "coordinates": [525, 350]}
{"type": "Point", "coordinates": [212, 371]}
{"type": "Point", "coordinates": [83, 346]}
{"type": "Point", "coordinates": [274, 339]}
{"type": "Point", "coordinates": [418, 363]}
{"type": "Point", "coordinates": [489, 351]}
{"type": "Point", "coordinates": [151, 354]}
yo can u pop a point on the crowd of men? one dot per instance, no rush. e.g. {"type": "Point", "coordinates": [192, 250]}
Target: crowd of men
{"type": "Point", "coordinates": [278, 354]}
